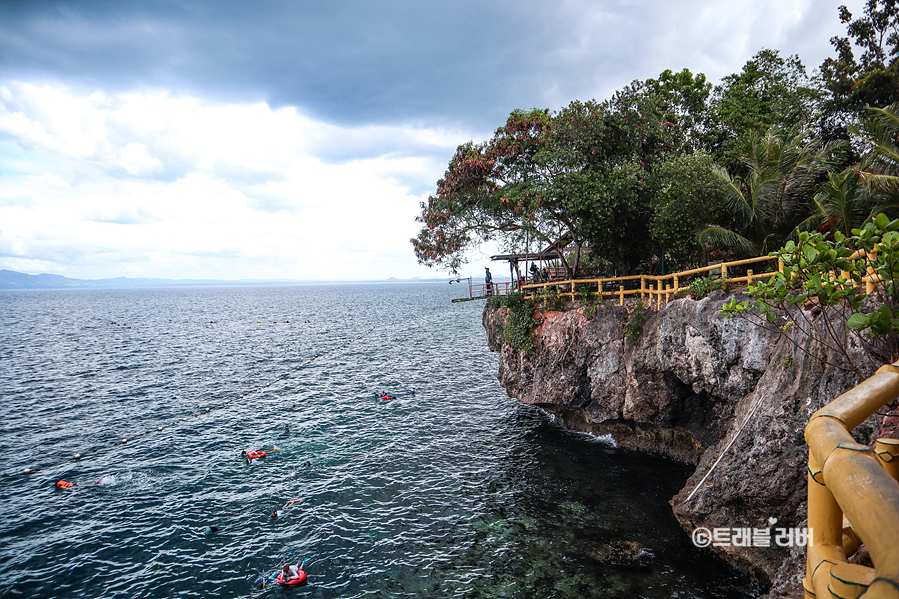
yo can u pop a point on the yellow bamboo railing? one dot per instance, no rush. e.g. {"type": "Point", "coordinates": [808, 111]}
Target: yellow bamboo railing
{"type": "Point", "coordinates": [853, 497]}
{"type": "Point", "coordinates": [853, 490]}
{"type": "Point", "coordinates": [668, 285]}
{"type": "Point", "coordinates": [665, 285]}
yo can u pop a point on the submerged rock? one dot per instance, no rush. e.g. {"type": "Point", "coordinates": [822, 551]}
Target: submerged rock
{"type": "Point", "coordinates": [619, 553]}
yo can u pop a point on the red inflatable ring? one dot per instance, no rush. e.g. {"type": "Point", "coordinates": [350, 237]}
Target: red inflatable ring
{"type": "Point", "coordinates": [301, 577]}
{"type": "Point", "coordinates": [255, 454]}
{"type": "Point", "coordinates": [63, 484]}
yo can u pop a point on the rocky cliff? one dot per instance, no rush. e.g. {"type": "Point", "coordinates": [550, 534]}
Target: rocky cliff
{"type": "Point", "coordinates": [698, 388]}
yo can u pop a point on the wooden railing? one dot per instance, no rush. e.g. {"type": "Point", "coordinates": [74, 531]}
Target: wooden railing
{"type": "Point", "coordinates": [853, 496]}
{"type": "Point", "coordinates": [656, 288]}
{"type": "Point", "coordinates": [484, 290]}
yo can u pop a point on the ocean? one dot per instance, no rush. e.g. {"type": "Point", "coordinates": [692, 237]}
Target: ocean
{"type": "Point", "coordinates": [447, 488]}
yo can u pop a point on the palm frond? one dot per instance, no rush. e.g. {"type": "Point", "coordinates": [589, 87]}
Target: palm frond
{"type": "Point", "coordinates": [721, 237]}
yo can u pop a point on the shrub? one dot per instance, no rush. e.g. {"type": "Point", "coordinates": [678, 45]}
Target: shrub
{"type": "Point", "coordinates": [822, 285]}
{"type": "Point", "coordinates": [703, 286]}
{"type": "Point", "coordinates": [633, 330]}
{"type": "Point", "coordinates": [552, 300]}
{"type": "Point", "coordinates": [519, 329]}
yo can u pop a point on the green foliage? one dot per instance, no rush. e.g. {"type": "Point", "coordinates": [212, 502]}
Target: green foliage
{"type": "Point", "coordinates": [690, 194]}
{"type": "Point", "coordinates": [633, 330]}
{"type": "Point", "coordinates": [773, 198]}
{"type": "Point", "coordinates": [590, 299]}
{"type": "Point", "coordinates": [585, 293]}
{"type": "Point", "coordinates": [823, 279]}
{"type": "Point", "coordinates": [788, 363]}
{"type": "Point", "coordinates": [591, 308]}
{"type": "Point", "coordinates": [879, 170]}
{"type": "Point", "coordinates": [552, 300]}
{"type": "Point", "coordinates": [702, 286]}
{"type": "Point", "coordinates": [872, 80]}
{"type": "Point", "coordinates": [769, 91]}
{"type": "Point", "coordinates": [669, 168]}
{"type": "Point", "coordinates": [520, 323]}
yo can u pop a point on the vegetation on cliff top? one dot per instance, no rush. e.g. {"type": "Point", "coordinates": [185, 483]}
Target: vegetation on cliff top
{"type": "Point", "coordinates": [677, 170]}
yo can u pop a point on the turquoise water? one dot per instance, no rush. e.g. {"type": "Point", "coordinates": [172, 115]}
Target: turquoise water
{"type": "Point", "coordinates": [454, 490]}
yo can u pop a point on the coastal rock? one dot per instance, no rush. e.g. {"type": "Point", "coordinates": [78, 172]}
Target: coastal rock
{"type": "Point", "coordinates": [726, 395]}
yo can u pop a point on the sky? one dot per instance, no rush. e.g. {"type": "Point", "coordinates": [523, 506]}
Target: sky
{"type": "Point", "coordinates": [276, 139]}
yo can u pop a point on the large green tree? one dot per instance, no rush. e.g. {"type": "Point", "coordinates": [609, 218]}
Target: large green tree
{"type": "Point", "coordinates": [591, 173]}
{"type": "Point", "coordinates": [769, 91]}
{"type": "Point", "coordinates": [691, 195]}
{"type": "Point", "coordinates": [869, 80]}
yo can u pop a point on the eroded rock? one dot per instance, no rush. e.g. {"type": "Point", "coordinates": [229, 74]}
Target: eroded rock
{"type": "Point", "coordinates": [701, 389]}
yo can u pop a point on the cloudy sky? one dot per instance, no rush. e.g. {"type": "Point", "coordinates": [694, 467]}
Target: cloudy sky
{"type": "Point", "coordinates": [295, 139]}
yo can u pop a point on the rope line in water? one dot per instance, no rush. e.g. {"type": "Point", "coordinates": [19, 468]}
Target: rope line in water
{"type": "Point", "coordinates": [125, 440]}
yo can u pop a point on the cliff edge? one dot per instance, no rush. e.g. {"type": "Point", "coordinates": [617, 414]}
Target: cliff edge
{"type": "Point", "coordinates": [698, 388]}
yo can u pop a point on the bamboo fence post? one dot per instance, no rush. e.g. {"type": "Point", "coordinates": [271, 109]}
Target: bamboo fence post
{"type": "Point", "coordinates": [676, 284]}
{"type": "Point", "coordinates": [869, 280]}
{"type": "Point", "coordinates": [887, 452]}
{"type": "Point", "coordinates": [825, 520]}
{"type": "Point", "coordinates": [724, 276]}
{"type": "Point", "coordinates": [658, 295]}
{"type": "Point", "coordinates": [621, 295]}
{"type": "Point", "coordinates": [749, 276]}
{"type": "Point", "coordinates": [642, 286]}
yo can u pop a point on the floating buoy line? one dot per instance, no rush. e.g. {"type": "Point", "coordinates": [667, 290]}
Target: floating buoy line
{"type": "Point", "coordinates": [128, 439]}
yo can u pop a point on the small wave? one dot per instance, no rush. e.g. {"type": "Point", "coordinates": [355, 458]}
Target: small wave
{"type": "Point", "coordinates": [607, 440]}
{"type": "Point", "coordinates": [604, 439]}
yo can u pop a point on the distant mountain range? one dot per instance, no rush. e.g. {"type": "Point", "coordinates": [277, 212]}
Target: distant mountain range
{"type": "Point", "coordinates": [11, 280]}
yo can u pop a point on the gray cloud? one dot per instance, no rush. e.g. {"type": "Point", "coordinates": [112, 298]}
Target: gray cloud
{"type": "Point", "coordinates": [454, 63]}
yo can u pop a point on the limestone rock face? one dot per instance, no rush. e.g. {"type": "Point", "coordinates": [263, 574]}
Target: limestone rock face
{"type": "Point", "coordinates": [698, 388]}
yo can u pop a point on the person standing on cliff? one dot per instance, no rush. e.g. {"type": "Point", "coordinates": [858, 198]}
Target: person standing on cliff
{"type": "Point", "coordinates": [488, 281]}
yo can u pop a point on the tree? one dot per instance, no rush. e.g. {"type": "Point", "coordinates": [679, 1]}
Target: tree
{"type": "Point", "coordinates": [684, 101]}
{"type": "Point", "coordinates": [870, 81]}
{"type": "Point", "coordinates": [771, 200]}
{"type": "Point", "coordinates": [502, 189]}
{"type": "Point", "coordinates": [691, 195]}
{"type": "Point", "coordinates": [841, 204]}
{"type": "Point", "coordinates": [769, 91]}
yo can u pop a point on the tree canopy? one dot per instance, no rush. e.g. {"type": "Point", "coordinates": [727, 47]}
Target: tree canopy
{"type": "Point", "coordinates": [672, 166]}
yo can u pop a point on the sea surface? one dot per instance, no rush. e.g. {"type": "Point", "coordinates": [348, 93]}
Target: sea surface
{"type": "Point", "coordinates": [452, 489]}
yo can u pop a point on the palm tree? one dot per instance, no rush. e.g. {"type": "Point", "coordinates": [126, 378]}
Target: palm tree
{"type": "Point", "coordinates": [782, 167]}
{"type": "Point", "coordinates": [879, 169]}
{"type": "Point", "coordinates": [841, 204]}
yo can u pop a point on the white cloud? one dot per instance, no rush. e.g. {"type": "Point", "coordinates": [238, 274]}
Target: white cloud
{"type": "Point", "coordinates": [156, 185]}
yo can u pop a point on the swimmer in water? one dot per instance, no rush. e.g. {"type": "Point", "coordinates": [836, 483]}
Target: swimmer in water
{"type": "Point", "coordinates": [292, 571]}
{"type": "Point", "coordinates": [306, 466]}
{"type": "Point", "coordinates": [280, 513]}
{"type": "Point", "coordinates": [106, 480]}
